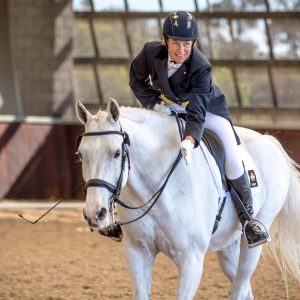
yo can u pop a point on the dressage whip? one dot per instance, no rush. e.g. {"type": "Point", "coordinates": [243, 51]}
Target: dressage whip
{"type": "Point", "coordinates": [61, 200]}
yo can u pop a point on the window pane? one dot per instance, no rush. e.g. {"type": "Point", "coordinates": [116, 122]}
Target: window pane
{"type": "Point", "coordinates": [138, 5]}
{"type": "Point", "coordinates": [188, 5]}
{"type": "Point", "coordinates": [81, 5]}
{"type": "Point", "coordinates": [141, 31]}
{"type": "Point", "coordinates": [114, 83]}
{"type": "Point", "coordinates": [202, 5]}
{"type": "Point", "coordinates": [109, 5]}
{"type": "Point", "coordinates": [223, 79]}
{"type": "Point", "coordinates": [85, 84]}
{"type": "Point", "coordinates": [221, 41]}
{"type": "Point", "coordinates": [82, 41]}
{"type": "Point", "coordinates": [286, 38]}
{"type": "Point", "coordinates": [286, 81]}
{"type": "Point", "coordinates": [111, 38]}
{"type": "Point", "coordinates": [237, 5]}
{"type": "Point", "coordinates": [284, 5]}
{"type": "Point", "coordinates": [205, 44]}
{"type": "Point", "coordinates": [251, 39]}
{"type": "Point", "coordinates": [254, 90]}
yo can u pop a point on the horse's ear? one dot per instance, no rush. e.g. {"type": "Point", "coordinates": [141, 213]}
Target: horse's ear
{"type": "Point", "coordinates": [82, 113]}
{"type": "Point", "coordinates": [113, 109]}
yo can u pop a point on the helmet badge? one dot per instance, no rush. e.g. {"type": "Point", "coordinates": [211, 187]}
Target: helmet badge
{"type": "Point", "coordinates": [189, 20]}
{"type": "Point", "coordinates": [175, 19]}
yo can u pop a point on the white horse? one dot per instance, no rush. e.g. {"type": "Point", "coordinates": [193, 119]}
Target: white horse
{"type": "Point", "coordinates": [180, 223]}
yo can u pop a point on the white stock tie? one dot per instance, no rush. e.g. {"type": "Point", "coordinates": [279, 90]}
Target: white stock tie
{"type": "Point", "coordinates": [172, 67]}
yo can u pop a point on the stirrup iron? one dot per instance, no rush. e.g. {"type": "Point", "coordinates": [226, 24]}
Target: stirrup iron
{"type": "Point", "coordinates": [263, 228]}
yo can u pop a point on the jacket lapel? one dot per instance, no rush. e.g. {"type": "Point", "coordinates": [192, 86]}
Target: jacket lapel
{"type": "Point", "coordinates": [161, 67]}
{"type": "Point", "coordinates": [180, 73]}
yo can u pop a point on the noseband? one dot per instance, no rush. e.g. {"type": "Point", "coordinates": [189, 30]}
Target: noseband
{"type": "Point", "coordinates": [114, 189]}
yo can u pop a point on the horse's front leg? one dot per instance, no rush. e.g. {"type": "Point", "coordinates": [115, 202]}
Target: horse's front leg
{"type": "Point", "coordinates": [140, 258]}
{"type": "Point", "coordinates": [190, 267]}
{"type": "Point", "coordinates": [241, 289]}
{"type": "Point", "coordinates": [229, 259]}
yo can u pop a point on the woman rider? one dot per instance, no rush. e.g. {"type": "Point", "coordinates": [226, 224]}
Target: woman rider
{"type": "Point", "coordinates": [175, 76]}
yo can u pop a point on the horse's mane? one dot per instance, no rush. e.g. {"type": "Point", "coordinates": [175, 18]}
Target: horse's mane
{"type": "Point", "coordinates": [100, 115]}
{"type": "Point", "coordinates": [135, 114]}
{"type": "Point", "coordinates": [141, 115]}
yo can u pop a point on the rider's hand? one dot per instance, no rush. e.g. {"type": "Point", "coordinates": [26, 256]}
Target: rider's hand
{"type": "Point", "coordinates": [177, 108]}
{"type": "Point", "coordinates": [163, 108]}
{"type": "Point", "coordinates": [186, 150]}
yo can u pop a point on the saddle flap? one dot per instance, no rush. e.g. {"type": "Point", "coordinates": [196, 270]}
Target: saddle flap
{"type": "Point", "coordinates": [216, 149]}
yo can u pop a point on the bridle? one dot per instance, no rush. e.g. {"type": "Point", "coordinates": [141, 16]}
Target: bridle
{"type": "Point", "coordinates": [114, 189]}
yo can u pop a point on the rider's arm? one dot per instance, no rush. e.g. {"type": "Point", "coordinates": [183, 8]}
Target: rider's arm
{"type": "Point", "coordinates": [140, 81]}
{"type": "Point", "coordinates": [199, 100]}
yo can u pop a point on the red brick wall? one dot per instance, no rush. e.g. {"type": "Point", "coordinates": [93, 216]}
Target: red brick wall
{"type": "Point", "coordinates": [38, 160]}
{"type": "Point", "coordinates": [290, 139]}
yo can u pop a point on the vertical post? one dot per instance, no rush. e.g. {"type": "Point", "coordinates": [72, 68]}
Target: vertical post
{"type": "Point", "coordinates": [97, 55]}
{"type": "Point", "coordinates": [233, 68]}
{"type": "Point", "coordinates": [271, 53]}
{"type": "Point", "coordinates": [127, 35]}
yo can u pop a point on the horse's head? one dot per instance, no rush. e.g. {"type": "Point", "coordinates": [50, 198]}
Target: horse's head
{"type": "Point", "coordinates": [103, 153]}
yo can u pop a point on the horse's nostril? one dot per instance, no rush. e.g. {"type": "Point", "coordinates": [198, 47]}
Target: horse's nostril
{"type": "Point", "coordinates": [101, 214]}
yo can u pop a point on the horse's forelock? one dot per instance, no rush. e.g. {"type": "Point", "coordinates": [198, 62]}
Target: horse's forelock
{"type": "Point", "coordinates": [97, 121]}
{"type": "Point", "coordinates": [101, 115]}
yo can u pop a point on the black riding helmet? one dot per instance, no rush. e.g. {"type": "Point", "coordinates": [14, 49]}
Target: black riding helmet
{"type": "Point", "coordinates": [180, 25]}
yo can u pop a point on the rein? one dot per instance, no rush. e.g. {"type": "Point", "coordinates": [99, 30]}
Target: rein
{"type": "Point", "coordinates": [116, 190]}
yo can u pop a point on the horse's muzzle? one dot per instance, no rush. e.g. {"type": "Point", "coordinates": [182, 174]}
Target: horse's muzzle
{"type": "Point", "coordinates": [112, 231]}
{"type": "Point", "coordinates": [100, 219]}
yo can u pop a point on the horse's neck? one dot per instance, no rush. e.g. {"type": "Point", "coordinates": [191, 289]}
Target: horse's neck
{"type": "Point", "coordinates": [154, 147]}
{"type": "Point", "coordinates": [155, 144]}
{"type": "Point", "coordinates": [150, 130]}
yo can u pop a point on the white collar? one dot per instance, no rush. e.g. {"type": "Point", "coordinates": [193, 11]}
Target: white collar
{"type": "Point", "coordinates": [172, 63]}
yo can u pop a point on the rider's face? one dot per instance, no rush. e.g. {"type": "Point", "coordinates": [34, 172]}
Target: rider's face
{"type": "Point", "coordinates": [179, 50]}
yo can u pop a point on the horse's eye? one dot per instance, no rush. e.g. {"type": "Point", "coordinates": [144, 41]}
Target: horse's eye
{"type": "Point", "coordinates": [117, 154]}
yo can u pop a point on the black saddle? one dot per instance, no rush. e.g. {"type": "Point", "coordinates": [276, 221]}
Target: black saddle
{"type": "Point", "coordinates": [215, 147]}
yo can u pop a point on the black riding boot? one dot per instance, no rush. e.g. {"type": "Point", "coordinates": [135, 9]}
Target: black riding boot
{"type": "Point", "coordinates": [254, 234]}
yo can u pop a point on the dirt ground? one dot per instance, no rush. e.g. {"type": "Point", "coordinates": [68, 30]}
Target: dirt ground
{"type": "Point", "coordinates": [59, 258]}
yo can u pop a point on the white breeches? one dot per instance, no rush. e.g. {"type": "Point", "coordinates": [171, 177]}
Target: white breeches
{"type": "Point", "coordinates": [223, 129]}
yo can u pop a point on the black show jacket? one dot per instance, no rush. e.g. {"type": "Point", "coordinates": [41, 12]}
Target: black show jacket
{"type": "Point", "coordinates": [192, 82]}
